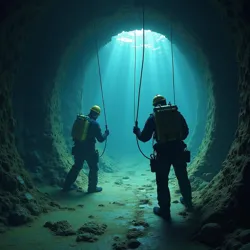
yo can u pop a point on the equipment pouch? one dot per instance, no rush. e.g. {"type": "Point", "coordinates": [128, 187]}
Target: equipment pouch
{"type": "Point", "coordinates": [187, 156]}
{"type": "Point", "coordinates": [153, 163]}
{"type": "Point", "coordinates": [97, 156]}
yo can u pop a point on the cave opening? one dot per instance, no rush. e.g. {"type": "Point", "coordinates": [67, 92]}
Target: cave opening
{"type": "Point", "coordinates": [120, 68]}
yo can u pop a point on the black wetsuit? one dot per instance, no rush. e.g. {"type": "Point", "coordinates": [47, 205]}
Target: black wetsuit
{"type": "Point", "coordinates": [85, 151]}
{"type": "Point", "coordinates": [167, 155]}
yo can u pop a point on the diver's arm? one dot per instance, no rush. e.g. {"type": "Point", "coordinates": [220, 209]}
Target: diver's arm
{"type": "Point", "coordinates": [185, 129]}
{"type": "Point", "coordinates": [98, 134]}
{"type": "Point", "coordinates": [148, 130]}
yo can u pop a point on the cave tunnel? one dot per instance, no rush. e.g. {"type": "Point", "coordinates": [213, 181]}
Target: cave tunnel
{"type": "Point", "coordinates": [49, 74]}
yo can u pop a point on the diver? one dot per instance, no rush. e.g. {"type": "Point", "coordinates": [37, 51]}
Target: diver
{"type": "Point", "coordinates": [169, 128]}
{"type": "Point", "coordinates": [85, 131]}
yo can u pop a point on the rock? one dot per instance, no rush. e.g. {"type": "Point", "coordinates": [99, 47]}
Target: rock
{"type": "Point", "coordinates": [88, 237]}
{"type": "Point", "coordinates": [93, 228]}
{"type": "Point", "coordinates": [71, 209]}
{"type": "Point", "coordinates": [138, 223]}
{"type": "Point", "coordinates": [133, 244]}
{"type": "Point", "coordinates": [54, 204]}
{"type": "Point", "coordinates": [119, 182]}
{"type": "Point", "coordinates": [145, 201]}
{"type": "Point", "coordinates": [19, 216]}
{"type": "Point", "coordinates": [120, 217]}
{"type": "Point", "coordinates": [34, 208]}
{"type": "Point", "coordinates": [134, 233]}
{"type": "Point", "coordinates": [116, 238]}
{"type": "Point", "coordinates": [211, 234]}
{"type": "Point", "coordinates": [183, 213]}
{"type": "Point", "coordinates": [61, 228]}
{"type": "Point", "coordinates": [118, 203]}
{"type": "Point", "coordinates": [120, 245]}
{"type": "Point", "coordinates": [244, 236]}
{"type": "Point", "coordinates": [48, 224]}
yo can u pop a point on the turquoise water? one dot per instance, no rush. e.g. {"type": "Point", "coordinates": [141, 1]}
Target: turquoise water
{"type": "Point", "coordinates": [118, 70]}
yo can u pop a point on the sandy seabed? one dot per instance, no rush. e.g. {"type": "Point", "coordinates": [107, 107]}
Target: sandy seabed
{"type": "Point", "coordinates": [125, 207]}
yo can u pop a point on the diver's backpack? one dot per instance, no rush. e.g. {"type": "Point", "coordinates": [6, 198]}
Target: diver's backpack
{"type": "Point", "coordinates": [80, 128]}
{"type": "Point", "coordinates": [168, 123]}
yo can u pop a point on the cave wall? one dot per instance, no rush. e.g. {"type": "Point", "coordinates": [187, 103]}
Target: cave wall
{"type": "Point", "coordinates": [42, 144]}
{"type": "Point", "coordinates": [20, 201]}
{"type": "Point", "coordinates": [225, 199]}
{"type": "Point", "coordinates": [33, 62]}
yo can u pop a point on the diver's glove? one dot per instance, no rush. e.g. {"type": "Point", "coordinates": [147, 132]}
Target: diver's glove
{"type": "Point", "coordinates": [136, 131]}
{"type": "Point", "coordinates": [106, 132]}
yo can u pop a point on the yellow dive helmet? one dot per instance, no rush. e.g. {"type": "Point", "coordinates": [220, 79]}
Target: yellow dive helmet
{"type": "Point", "coordinates": [158, 99]}
{"type": "Point", "coordinates": [96, 109]}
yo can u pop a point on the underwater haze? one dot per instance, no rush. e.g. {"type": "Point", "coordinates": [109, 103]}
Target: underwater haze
{"type": "Point", "coordinates": [120, 65]}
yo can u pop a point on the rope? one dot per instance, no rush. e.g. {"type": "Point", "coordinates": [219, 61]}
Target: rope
{"type": "Point", "coordinates": [100, 76]}
{"type": "Point", "coordinates": [143, 53]}
{"type": "Point", "coordinates": [139, 93]}
{"type": "Point", "coordinates": [135, 79]}
{"type": "Point", "coordinates": [80, 111]}
{"type": "Point", "coordinates": [103, 103]}
{"type": "Point", "coordinates": [172, 55]}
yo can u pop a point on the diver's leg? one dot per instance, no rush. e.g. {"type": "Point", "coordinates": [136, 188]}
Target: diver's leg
{"type": "Point", "coordinates": [163, 194]}
{"type": "Point", "coordinates": [74, 172]}
{"type": "Point", "coordinates": [92, 161]}
{"type": "Point", "coordinates": [180, 169]}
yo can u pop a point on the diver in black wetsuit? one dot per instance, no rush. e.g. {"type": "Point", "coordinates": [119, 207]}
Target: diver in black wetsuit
{"type": "Point", "coordinates": [85, 132]}
{"type": "Point", "coordinates": [169, 128]}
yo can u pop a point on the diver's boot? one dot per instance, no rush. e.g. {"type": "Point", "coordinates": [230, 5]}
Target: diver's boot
{"type": "Point", "coordinates": [70, 179]}
{"type": "Point", "coordinates": [188, 205]}
{"type": "Point", "coordinates": [95, 190]}
{"type": "Point", "coordinates": [165, 215]}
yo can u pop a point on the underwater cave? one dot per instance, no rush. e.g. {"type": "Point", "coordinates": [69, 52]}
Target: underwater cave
{"type": "Point", "coordinates": [196, 55]}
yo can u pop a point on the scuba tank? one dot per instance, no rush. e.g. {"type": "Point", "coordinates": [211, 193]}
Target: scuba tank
{"type": "Point", "coordinates": [80, 128]}
{"type": "Point", "coordinates": [168, 123]}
